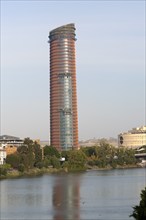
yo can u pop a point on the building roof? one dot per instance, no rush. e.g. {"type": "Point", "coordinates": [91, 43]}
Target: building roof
{"type": "Point", "coordinates": [63, 28]}
{"type": "Point", "coordinates": [8, 138]}
{"type": "Point", "coordinates": [65, 31]}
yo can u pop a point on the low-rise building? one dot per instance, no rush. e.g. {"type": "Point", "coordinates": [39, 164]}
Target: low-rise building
{"type": "Point", "coordinates": [8, 145]}
{"type": "Point", "coordinates": [2, 154]}
{"type": "Point", "coordinates": [6, 150]}
{"type": "Point", "coordinates": [10, 140]}
{"type": "Point", "coordinates": [134, 138]}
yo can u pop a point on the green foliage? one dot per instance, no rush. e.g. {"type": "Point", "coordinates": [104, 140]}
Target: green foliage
{"type": "Point", "coordinates": [139, 212]}
{"type": "Point", "coordinates": [76, 159]}
{"type": "Point", "coordinates": [28, 160]}
{"type": "Point", "coordinates": [101, 163]}
{"type": "Point", "coordinates": [13, 160]}
{"type": "Point", "coordinates": [91, 162]}
{"type": "Point", "coordinates": [125, 156]}
{"type": "Point", "coordinates": [37, 153]}
{"type": "Point", "coordinates": [106, 155]}
{"type": "Point", "coordinates": [120, 155]}
{"type": "Point", "coordinates": [129, 156]}
{"type": "Point", "coordinates": [65, 164]}
{"type": "Point", "coordinates": [89, 151]}
{"type": "Point", "coordinates": [30, 154]}
{"type": "Point", "coordinates": [6, 166]}
{"type": "Point", "coordinates": [55, 162]}
{"type": "Point", "coordinates": [47, 162]}
{"type": "Point", "coordinates": [23, 149]}
{"type": "Point", "coordinates": [113, 164]}
{"type": "Point", "coordinates": [21, 167]}
{"type": "Point", "coordinates": [65, 154]}
{"type": "Point", "coordinates": [51, 151]}
{"type": "Point", "coordinates": [4, 169]}
{"type": "Point", "coordinates": [28, 141]}
{"type": "Point", "coordinates": [40, 165]}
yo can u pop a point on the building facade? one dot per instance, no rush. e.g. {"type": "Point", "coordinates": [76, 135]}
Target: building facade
{"type": "Point", "coordinates": [8, 145]}
{"type": "Point", "coordinates": [10, 140]}
{"type": "Point", "coordinates": [3, 154]}
{"type": "Point", "coordinates": [63, 96]}
{"type": "Point", "coordinates": [134, 138]}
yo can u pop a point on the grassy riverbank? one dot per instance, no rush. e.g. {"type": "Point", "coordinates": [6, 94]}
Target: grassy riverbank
{"type": "Point", "coordinates": [13, 173]}
{"type": "Point", "coordinates": [111, 168]}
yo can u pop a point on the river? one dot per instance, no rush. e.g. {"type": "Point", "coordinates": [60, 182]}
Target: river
{"type": "Point", "coordinates": [100, 195]}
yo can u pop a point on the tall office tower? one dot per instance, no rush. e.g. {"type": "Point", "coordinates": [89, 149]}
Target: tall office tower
{"type": "Point", "coordinates": [63, 97]}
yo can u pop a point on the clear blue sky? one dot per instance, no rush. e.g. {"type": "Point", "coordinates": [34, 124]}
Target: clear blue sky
{"type": "Point", "coordinates": [110, 59]}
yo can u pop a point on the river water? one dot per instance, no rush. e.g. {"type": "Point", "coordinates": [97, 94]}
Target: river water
{"type": "Point", "coordinates": [100, 195]}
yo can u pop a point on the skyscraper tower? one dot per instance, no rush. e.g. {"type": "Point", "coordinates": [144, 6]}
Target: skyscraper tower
{"type": "Point", "coordinates": [63, 96]}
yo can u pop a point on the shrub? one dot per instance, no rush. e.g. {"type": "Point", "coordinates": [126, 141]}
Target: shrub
{"type": "Point", "coordinates": [4, 169]}
{"type": "Point", "coordinates": [91, 163]}
{"type": "Point", "coordinates": [76, 159]}
{"type": "Point", "coordinates": [21, 167]}
{"type": "Point", "coordinates": [13, 160]}
{"type": "Point", "coordinates": [55, 162]}
{"type": "Point", "coordinates": [139, 212]}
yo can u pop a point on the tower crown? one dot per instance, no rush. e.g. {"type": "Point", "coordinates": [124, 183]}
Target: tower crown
{"type": "Point", "coordinates": [63, 32]}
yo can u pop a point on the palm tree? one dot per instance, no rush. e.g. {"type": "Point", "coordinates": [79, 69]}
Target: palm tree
{"type": "Point", "coordinates": [139, 212]}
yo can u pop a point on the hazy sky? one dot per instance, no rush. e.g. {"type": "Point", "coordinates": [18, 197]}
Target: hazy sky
{"type": "Point", "coordinates": [110, 59]}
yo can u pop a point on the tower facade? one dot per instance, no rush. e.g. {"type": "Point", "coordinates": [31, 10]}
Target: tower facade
{"type": "Point", "coordinates": [63, 96]}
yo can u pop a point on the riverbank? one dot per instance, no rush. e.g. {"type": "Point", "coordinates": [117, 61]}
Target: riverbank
{"type": "Point", "coordinates": [13, 173]}
{"type": "Point", "coordinates": [117, 167]}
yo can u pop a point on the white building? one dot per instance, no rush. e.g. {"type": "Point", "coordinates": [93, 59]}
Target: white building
{"type": "Point", "coordinates": [8, 145]}
{"type": "Point", "coordinates": [134, 138]}
{"type": "Point", "coordinates": [2, 154]}
{"type": "Point", "coordinates": [11, 140]}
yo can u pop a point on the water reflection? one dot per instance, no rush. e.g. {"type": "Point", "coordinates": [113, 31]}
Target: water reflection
{"type": "Point", "coordinates": [66, 197]}
{"type": "Point", "coordinates": [88, 195]}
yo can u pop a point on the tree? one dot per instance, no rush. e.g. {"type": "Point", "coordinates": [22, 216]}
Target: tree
{"type": "Point", "coordinates": [21, 167]}
{"type": "Point", "coordinates": [13, 160]}
{"type": "Point", "coordinates": [139, 212]}
{"type": "Point", "coordinates": [55, 162]}
{"type": "Point", "coordinates": [38, 153]}
{"type": "Point", "coordinates": [51, 151]}
{"type": "Point", "coordinates": [28, 141]}
{"type": "Point", "coordinates": [27, 160]}
{"type": "Point", "coordinates": [76, 159]}
{"type": "Point", "coordinates": [65, 154]}
{"type": "Point", "coordinates": [23, 149]}
{"type": "Point", "coordinates": [89, 151]}
{"type": "Point", "coordinates": [27, 155]}
{"type": "Point", "coordinates": [120, 155]}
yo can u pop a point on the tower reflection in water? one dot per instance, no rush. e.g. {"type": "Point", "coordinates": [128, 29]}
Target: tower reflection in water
{"type": "Point", "coordinates": [66, 198]}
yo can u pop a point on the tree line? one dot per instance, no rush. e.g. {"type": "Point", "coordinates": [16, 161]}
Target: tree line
{"type": "Point", "coordinates": [30, 155]}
